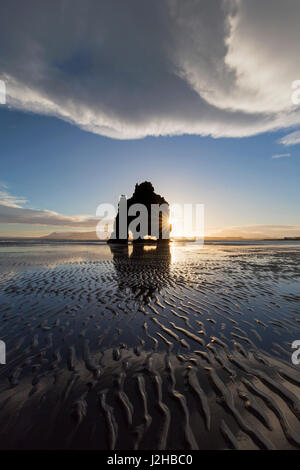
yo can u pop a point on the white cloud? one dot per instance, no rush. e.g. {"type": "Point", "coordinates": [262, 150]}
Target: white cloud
{"type": "Point", "coordinates": [21, 215]}
{"type": "Point", "coordinates": [12, 212]}
{"type": "Point", "coordinates": [137, 68]}
{"type": "Point", "coordinates": [281, 155]}
{"type": "Point", "coordinates": [291, 139]}
{"type": "Point", "coordinates": [8, 200]}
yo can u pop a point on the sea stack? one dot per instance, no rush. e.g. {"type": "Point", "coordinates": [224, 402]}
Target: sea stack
{"type": "Point", "coordinates": [157, 221]}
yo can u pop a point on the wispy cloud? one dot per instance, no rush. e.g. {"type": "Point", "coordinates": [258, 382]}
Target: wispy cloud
{"type": "Point", "coordinates": [281, 155]}
{"type": "Point", "coordinates": [12, 212]}
{"type": "Point", "coordinates": [20, 215]}
{"type": "Point", "coordinates": [8, 200]}
{"type": "Point", "coordinates": [291, 139]}
{"type": "Point", "coordinates": [3, 185]}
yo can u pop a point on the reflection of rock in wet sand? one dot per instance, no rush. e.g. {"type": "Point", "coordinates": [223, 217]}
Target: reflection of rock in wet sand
{"type": "Point", "coordinates": [118, 353]}
{"type": "Point", "coordinates": [143, 268]}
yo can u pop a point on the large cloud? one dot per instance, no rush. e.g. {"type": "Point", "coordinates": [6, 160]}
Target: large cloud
{"type": "Point", "coordinates": [127, 69]}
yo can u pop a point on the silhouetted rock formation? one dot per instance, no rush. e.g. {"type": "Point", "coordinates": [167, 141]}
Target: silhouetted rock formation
{"type": "Point", "coordinates": [144, 194]}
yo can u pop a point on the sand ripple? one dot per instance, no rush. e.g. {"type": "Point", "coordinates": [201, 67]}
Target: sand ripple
{"type": "Point", "coordinates": [139, 350]}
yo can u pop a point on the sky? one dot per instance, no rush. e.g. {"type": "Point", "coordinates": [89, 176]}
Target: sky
{"type": "Point", "coordinates": [189, 95]}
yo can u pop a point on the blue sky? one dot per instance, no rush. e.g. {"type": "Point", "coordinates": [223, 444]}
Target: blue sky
{"type": "Point", "coordinates": [57, 166]}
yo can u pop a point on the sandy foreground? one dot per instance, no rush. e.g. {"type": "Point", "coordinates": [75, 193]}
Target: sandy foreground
{"type": "Point", "coordinates": [176, 347]}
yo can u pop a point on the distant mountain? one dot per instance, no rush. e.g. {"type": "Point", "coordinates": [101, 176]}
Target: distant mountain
{"type": "Point", "coordinates": [92, 236]}
{"type": "Point", "coordinates": [72, 236]}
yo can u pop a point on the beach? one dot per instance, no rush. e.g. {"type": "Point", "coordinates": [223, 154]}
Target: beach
{"type": "Point", "coordinates": [175, 346]}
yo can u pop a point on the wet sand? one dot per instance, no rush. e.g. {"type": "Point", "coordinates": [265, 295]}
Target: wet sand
{"type": "Point", "coordinates": [176, 347]}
